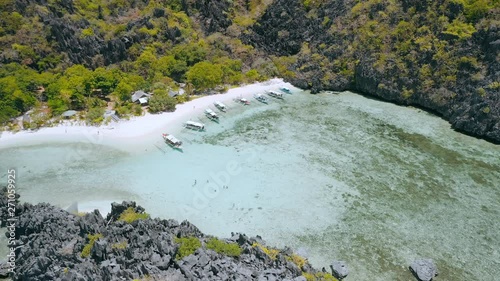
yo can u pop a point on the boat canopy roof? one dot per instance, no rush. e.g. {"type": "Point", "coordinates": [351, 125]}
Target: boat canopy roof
{"type": "Point", "coordinates": [276, 93]}
{"type": "Point", "coordinates": [243, 99]}
{"type": "Point", "coordinates": [209, 111]}
{"type": "Point", "coordinates": [218, 103]}
{"type": "Point", "coordinates": [196, 124]}
{"type": "Point", "coordinates": [171, 138]}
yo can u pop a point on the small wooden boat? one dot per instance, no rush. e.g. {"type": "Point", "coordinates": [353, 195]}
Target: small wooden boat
{"type": "Point", "coordinates": [275, 94]}
{"type": "Point", "coordinates": [172, 141]}
{"type": "Point", "coordinates": [286, 90]}
{"type": "Point", "coordinates": [220, 106]}
{"type": "Point", "coordinates": [194, 126]}
{"type": "Point", "coordinates": [261, 98]}
{"type": "Point", "coordinates": [211, 115]}
{"type": "Point", "coordinates": [243, 101]}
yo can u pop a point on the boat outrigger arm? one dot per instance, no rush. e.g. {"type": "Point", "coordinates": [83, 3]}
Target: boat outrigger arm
{"type": "Point", "coordinates": [172, 141]}
{"type": "Point", "coordinates": [211, 114]}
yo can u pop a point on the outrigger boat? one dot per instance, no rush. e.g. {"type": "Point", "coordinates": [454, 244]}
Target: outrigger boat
{"type": "Point", "coordinates": [261, 98]}
{"type": "Point", "coordinates": [243, 101]}
{"type": "Point", "coordinates": [220, 106]}
{"type": "Point", "coordinates": [194, 126]}
{"type": "Point", "coordinates": [211, 115]}
{"type": "Point", "coordinates": [275, 94]}
{"type": "Point", "coordinates": [172, 141]}
{"type": "Point", "coordinates": [286, 90]}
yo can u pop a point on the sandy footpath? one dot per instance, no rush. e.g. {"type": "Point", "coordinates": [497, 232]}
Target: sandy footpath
{"type": "Point", "coordinates": [125, 134]}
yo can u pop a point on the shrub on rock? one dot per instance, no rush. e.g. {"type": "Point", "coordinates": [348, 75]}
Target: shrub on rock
{"type": "Point", "coordinates": [130, 215]}
{"type": "Point", "coordinates": [272, 253]}
{"type": "Point", "coordinates": [188, 245]}
{"type": "Point", "coordinates": [224, 248]}
{"type": "Point", "coordinates": [297, 260]}
{"type": "Point", "coordinates": [88, 247]}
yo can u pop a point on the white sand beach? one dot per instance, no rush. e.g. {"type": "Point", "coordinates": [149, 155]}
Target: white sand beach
{"type": "Point", "coordinates": [146, 129]}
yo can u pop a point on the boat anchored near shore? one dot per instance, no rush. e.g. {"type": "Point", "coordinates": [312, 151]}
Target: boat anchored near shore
{"type": "Point", "coordinates": [275, 94]}
{"type": "Point", "coordinates": [211, 115]}
{"type": "Point", "coordinates": [243, 101]}
{"type": "Point", "coordinates": [286, 90]}
{"type": "Point", "coordinates": [261, 98]}
{"type": "Point", "coordinates": [172, 141]}
{"type": "Point", "coordinates": [220, 106]}
{"type": "Point", "coordinates": [196, 126]}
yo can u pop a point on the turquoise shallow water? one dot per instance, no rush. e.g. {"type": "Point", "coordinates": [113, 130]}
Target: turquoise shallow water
{"type": "Point", "coordinates": [335, 176]}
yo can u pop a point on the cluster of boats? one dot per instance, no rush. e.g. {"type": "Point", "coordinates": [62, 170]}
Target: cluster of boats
{"type": "Point", "coordinates": [196, 126]}
{"type": "Point", "coordinates": [210, 114]}
{"type": "Point", "coordinates": [274, 94]}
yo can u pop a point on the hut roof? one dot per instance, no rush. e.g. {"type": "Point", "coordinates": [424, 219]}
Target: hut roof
{"type": "Point", "coordinates": [139, 94]}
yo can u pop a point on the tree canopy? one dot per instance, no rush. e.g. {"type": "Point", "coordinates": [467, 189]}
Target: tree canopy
{"type": "Point", "coordinates": [205, 75]}
{"type": "Point", "coordinates": [161, 101]}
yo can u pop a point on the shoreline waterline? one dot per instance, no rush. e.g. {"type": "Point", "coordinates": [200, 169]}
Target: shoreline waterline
{"type": "Point", "coordinates": [138, 133]}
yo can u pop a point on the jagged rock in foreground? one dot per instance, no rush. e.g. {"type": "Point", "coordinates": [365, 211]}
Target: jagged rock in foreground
{"type": "Point", "coordinates": [339, 269]}
{"type": "Point", "coordinates": [54, 241]}
{"type": "Point", "coordinates": [424, 269]}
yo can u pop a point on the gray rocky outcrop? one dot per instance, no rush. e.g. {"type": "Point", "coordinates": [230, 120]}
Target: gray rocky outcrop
{"type": "Point", "coordinates": [4, 269]}
{"type": "Point", "coordinates": [286, 27]}
{"type": "Point", "coordinates": [339, 269]}
{"type": "Point", "coordinates": [52, 242]}
{"type": "Point", "coordinates": [212, 15]}
{"type": "Point", "coordinates": [424, 269]}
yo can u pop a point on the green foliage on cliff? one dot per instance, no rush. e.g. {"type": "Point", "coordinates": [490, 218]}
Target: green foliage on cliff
{"type": "Point", "coordinates": [40, 68]}
{"type": "Point", "coordinates": [309, 4]}
{"type": "Point", "coordinates": [272, 253]}
{"type": "Point", "coordinates": [85, 54]}
{"type": "Point", "coordinates": [413, 49]}
{"type": "Point", "coordinates": [474, 10]}
{"type": "Point", "coordinates": [130, 215]}
{"type": "Point", "coordinates": [460, 29]}
{"type": "Point", "coordinates": [87, 249]}
{"type": "Point", "coordinates": [320, 276]}
{"type": "Point", "coordinates": [224, 248]}
{"type": "Point", "coordinates": [188, 245]}
{"type": "Point", "coordinates": [297, 260]}
{"type": "Point", "coordinates": [204, 75]}
{"type": "Point", "coordinates": [87, 32]}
